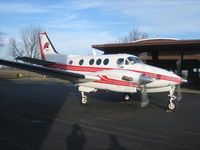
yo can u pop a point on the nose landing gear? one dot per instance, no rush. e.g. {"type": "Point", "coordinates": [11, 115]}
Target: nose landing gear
{"type": "Point", "coordinates": [173, 104]}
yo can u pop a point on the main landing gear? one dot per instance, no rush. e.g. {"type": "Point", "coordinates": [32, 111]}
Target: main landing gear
{"type": "Point", "coordinates": [173, 104]}
{"type": "Point", "coordinates": [84, 99]}
{"type": "Point", "coordinates": [127, 98]}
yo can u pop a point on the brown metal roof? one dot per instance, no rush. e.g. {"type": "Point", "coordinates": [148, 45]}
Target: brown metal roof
{"type": "Point", "coordinates": [150, 44]}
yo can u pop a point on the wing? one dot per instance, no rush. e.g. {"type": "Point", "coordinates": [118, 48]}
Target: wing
{"type": "Point", "coordinates": [36, 61]}
{"type": "Point", "coordinates": [66, 75]}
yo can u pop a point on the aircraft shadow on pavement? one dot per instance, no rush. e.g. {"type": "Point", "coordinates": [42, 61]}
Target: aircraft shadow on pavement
{"type": "Point", "coordinates": [28, 110]}
{"type": "Point", "coordinates": [159, 100]}
{"type": "Point", "coordinates": [112, 96]}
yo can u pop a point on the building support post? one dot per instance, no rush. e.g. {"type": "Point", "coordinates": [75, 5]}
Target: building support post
{"type": "Point", "coordinates": [155, 58]}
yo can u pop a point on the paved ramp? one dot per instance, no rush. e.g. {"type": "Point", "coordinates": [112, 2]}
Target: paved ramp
{"type": "Point", "coordinates": [48, 115]}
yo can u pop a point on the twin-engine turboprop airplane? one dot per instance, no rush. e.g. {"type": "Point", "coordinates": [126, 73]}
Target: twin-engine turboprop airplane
{"type": "Point", "coordinates": [119, 73]}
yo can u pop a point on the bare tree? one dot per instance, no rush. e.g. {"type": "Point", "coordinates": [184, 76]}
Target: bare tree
{"type": "Point", "coordinates": [15, 49]}
{"type": "Point", "coordinates": [28, 44]}
{"type": "Point", "coordinates": [1, 40]}
{"type": "Point", "coordinates": [133, 36]}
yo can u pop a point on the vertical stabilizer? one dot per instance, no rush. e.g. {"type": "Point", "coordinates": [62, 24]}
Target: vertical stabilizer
{"type": "Point", "coordinates": [46, 47]}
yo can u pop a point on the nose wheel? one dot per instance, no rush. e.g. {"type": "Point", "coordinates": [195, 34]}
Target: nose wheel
{"type": "Point", "coordinates": [173, 104]}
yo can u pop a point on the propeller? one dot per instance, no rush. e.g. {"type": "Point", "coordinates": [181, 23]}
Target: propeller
{"type": "Point", "coordinates": [144, 97]}
{"type": "Point", "coordinates": [143, 56]}
{"type": "Point", "coordinates": [143, 80]}
{"type": "Point", "coordinates": [179, 93]}
{"type": "Point", "coordinates": [179, 65]}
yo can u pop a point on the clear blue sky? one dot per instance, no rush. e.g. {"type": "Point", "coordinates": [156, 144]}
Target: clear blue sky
{"type": "Point", "coordinates": [74, 25]}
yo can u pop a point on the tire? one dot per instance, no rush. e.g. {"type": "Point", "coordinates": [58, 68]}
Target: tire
{"type": "Point", "coordinates": [84, 100]}
{"type": "Point", "coordinates": [127, 96]}
{"type": "Point", "coordinates": [173, 106]}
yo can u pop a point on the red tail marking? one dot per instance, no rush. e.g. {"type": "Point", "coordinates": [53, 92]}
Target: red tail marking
{"type": "Point", "coordinates": [41, 49]}
{"type": "Point", "coordinates": [46, 45]}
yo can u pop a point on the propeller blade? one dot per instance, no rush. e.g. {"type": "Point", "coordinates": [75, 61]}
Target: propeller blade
{"type": "Point", "coordinates": [178, 64]}
{"type": "Point", "coordinates": [144, 97]}
{"type": "Point", "coordinates": [179, 93]}
{"type": "Point", "coordinates": [143, 56]}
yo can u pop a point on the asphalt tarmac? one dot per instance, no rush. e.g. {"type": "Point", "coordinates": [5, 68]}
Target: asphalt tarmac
{"type": "Point", "coordinates": [48, 116]}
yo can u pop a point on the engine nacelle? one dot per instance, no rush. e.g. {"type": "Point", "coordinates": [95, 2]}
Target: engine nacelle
{"type": "Point", "coordinates": [126, 75]}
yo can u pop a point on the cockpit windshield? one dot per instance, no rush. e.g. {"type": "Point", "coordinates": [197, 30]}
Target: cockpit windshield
{"type": "Point", "coordinates": [134, 60]}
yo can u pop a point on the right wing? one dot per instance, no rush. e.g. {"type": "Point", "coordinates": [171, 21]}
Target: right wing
{"type": "Point", "coordinates": [66, 75]}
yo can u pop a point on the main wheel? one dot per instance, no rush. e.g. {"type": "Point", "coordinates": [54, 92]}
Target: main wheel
{"type": "Point", "coordinates": [84, 100]}
{"type": "Point", "coordinates": [127, 96]}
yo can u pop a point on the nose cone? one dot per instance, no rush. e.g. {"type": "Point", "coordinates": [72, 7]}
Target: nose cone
{"type": "Point", "coordinates": [184, 80]}
{"type": "Point", "coordinates": [145, 80]}
{"type": "Point", "coordinates": [178, 79]}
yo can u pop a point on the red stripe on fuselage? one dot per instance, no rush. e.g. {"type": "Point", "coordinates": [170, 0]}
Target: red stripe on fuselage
{"type": "Point", "coordinates": [95, 69]}
{"type": "Point", "coordinates": [106, 80]}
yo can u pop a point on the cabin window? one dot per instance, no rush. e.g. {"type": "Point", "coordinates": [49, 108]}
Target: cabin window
{"type": "Point", "coordinates": [91, 62]}
{"type": "Point", "coordinates": [71, 62]}
{"type": "Point", "coordinates": [133, 60]}
{"type": "Point", "coordinates": [98, 62]}
{"type": "Point", "coordinates": [106, 61]}
{"type": "Point", "coordinates": [120, 61]}
{"type": "Point", "coordinates": [81, 62]}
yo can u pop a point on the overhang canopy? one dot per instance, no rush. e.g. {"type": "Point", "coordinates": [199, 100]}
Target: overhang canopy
{"type": "Point", "coordinates": [189, 47]}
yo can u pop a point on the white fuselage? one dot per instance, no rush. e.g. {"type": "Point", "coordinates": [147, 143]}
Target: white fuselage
{"type": "Point", "coordinates": [111, 69]}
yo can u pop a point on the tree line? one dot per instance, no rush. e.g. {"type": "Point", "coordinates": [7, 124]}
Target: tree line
{"type": "Point", "coordinates": [1, 40]}
{"type": "Point", "coordinates": [133, 35]}
{"type": "Point", "coordinates": [27, 44]}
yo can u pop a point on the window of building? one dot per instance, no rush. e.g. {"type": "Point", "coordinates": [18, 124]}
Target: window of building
{"type": "Point", "coordinates": [91, 62]}
{"type": "Point", "coordinates": [106, 61]}
{"type": "Point", "coordinates": [81, 62]}
{"type": "Point", "coordinates": [98, 62]}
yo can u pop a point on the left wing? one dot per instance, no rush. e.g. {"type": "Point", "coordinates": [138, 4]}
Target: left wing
{"type": "Point", "coordinates": [66, 75]}
{"type": "Point", "coordinates": [36, 61]}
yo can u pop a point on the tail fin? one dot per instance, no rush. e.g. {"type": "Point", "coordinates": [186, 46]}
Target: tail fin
{"type": "Point", "coordinates": [46, 46]}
